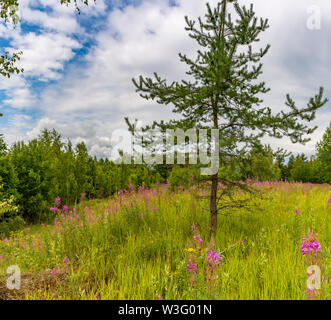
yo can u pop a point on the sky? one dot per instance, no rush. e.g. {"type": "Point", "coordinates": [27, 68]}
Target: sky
{"type": "Point", "coordinates": [78, 67]}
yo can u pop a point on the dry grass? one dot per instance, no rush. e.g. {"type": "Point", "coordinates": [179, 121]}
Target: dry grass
{"type": "Point", "coordinates": [32, 282]}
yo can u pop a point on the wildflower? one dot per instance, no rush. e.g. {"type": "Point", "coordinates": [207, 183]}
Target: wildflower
{"type": "Point", "coordinates": [55, 271]}
{"type": "Point", "coordinates": [192, 267]}
{"type": "Point", "coordinates": [213, 258]}
{"type": "Point", "coordinates": [296, 211]}
{"type": "Point", "coordinates": [65, 207]}
{"type": "Point", "coordinates": [58, 200]}
{"type": "Point", "coordinates": [53, 209]}
{"type": "Point", "coordinates": [154, 209]}
{"type": "Point", "coordinates": [310, 245]}
{"type": "Point", "coordinates": [65, 260]}
{"type": "Point", "coordinates": [329, 201]}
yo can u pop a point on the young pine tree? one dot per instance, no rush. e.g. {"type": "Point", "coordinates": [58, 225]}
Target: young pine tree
{"type": "Point", "coordinates": [225, 93]}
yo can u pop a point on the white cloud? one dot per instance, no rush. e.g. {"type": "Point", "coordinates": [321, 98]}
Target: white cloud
{"type": "Point", "coordinates": [44, 55]}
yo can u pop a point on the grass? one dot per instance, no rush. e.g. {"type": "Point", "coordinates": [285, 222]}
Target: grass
{"type": "Point", "coordinates": [134, 246]}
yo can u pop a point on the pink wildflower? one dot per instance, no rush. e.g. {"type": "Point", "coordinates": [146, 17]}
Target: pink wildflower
{"type": "Point", "coordinates": [65, 260]}
{"type": "Point", "coordinates": [55, 271]}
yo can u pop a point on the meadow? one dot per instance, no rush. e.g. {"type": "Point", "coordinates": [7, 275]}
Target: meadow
{"type": "Point", "coordinates": [156, 244]}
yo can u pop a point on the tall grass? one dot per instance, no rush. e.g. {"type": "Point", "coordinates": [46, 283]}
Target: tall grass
{"type": "Point", "coordinates": [134, 246]}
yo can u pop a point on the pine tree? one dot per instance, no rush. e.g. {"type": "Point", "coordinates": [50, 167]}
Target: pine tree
{"type": "Point", "coordinates": [225, 93]}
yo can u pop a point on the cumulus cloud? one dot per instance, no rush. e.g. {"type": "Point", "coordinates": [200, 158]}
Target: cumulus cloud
{"type": "Point", "coordinates": [44, 55]}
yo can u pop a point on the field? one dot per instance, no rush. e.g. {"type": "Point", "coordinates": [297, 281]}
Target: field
{"type": "Point", "coordinates": [137, 245]}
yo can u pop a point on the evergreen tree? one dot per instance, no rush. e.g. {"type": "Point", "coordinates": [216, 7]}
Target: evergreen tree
{"type": "Point", "coordinates": [225, 93]}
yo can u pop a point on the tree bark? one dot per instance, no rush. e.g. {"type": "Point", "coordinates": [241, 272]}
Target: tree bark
{"type": "Point", "coordinates": [214, 178]}
{"type": "Point", "coordinates": [213, 203]}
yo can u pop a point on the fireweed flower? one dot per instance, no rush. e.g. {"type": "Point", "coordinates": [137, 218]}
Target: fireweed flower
{"type": "Point", "coordinates": [329, 201]}
{"type": "Point", "coordinates": [296, 211]}
{"type": "Point", "coordinates": [310, 245]}
{"type": "Point", "coordinates": [55, 271]}
{"type": "Point", "coordinates": [65, 260]}
{"type": "Point", "coordinates": [213, 258]}
{"type": "Point", "coordinates": [58, 200]}
{"type": "Point", "coordinates": [194, 250]}
{"type": "Point", "coordinates": [192, 267]}
{"type": "Point", "coordinates": [65, 207]}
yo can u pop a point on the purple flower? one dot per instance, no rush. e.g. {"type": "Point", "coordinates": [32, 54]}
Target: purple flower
{"type": "Point", "coordinates": [192, 267]}
{"type": "Point", "coordinates": [296, 211]}
{"type": "Point", "coordinates": [53, 209]}
{"type": "Point", "coordinates": [154, 209]}
{"type": "Point", "coordinates": [310, 245]}
{"type": "Point", "coordinates": [213, 257]}
{"type": "Point", "coordinates": [55, 271]}
{"type": "Point", "coordinates": [329, 201]}
{"type": "Point", "coordinates": [65, 260]}
{"type": "Point", "coordinates": [65, 207]}
{"type": "Point", "coordinates": [58, 200]}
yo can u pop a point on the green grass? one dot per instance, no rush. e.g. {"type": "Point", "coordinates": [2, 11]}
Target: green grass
{"type": "Point", "coordinates": [121, 249]}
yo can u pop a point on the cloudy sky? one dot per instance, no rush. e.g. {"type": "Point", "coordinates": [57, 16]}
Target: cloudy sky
{"type": "Point", "coordinates": [78, 68]}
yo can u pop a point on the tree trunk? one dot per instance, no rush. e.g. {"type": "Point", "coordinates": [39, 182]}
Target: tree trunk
{"type": "Point", "coordinates": [213, 203]}
{"type": "Point", "coordinates": [214, 101]}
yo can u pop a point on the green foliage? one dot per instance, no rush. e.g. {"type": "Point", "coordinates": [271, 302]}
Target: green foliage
{"type": "Point", "coordinates": [300, 170]}
{"type": "Point", "coordinates": [47, 167]}
{"type": "Point", "coordinates": [9, 220]}
{"type": "Point", "coordinates": [260, 164]}
{"type": "Point", "coordinates": [324, 154]}
{"type": "Point", "coordinates": [7, 205]}
{"type": "Point", "coordinates": [37, 172]}
{"type": "Point", "coordinates": [3, 146]}
{"type": "Point", "coordinates": [183, 176]}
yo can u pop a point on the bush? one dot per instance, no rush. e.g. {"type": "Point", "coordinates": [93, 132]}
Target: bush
{"type": "Point", "coordinates": [9, 221]}
{"type": "Point", "coordinates": [11, 224]}
{"type": "Point", "coordinates": [182, 176]}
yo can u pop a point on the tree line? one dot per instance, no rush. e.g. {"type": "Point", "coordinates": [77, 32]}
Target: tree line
{"type": "Point", "coordinates": [34, 173]}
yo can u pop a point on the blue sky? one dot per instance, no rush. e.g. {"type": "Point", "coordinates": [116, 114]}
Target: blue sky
{"type": "Point", "coordinates": [78, 68]}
